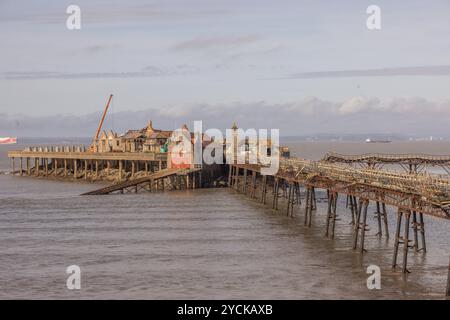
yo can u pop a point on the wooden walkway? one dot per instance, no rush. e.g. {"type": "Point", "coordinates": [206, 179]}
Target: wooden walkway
{"type": "Point", "coordinates": [140, 183]}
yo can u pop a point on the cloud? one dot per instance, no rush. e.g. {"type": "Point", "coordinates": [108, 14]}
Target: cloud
{"type": "Point", "coordinates": [215, 42]}
{"type": "Point", "coordinates": [146, 72]}
{"type": "Point", "coordinates": [443, 70]}
{"type": "Point", "coordinates": [404, 115]}
{"type": "Point", "coordinates": [105, 12]}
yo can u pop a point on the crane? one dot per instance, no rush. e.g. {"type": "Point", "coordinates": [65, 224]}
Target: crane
{"type": "Point", "coordinates": [92, 148]}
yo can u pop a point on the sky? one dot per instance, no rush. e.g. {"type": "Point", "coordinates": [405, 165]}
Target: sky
{"type": "Point", "coordinates": [301, 66]}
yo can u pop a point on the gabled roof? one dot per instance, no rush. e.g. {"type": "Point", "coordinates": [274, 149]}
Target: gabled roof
{"type": "Point", "coordinates": [133, 134]}
{"type": "Point", "coordinates": [160, 135]}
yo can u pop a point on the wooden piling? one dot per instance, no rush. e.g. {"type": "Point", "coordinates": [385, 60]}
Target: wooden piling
{"type": "Point", "coordinates": [55, 167]}
{"type": "Point", "coordinates": [36, 166]}
{"type": "Point", "coordinates": [75, 169]}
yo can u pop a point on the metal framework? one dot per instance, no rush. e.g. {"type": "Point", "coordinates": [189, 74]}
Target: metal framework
{"type": "Point", "coordinates": [413, 194]}
{"type": "Point", "coordinates": [410, 162]}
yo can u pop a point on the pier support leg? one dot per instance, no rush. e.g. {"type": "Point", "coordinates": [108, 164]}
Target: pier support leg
{"type": "Point", "coordinates": [307, 205]}
{"type": "Point", "coordinates": [334, 215]}
{"type": "Point", "coordinates": [292, 198]}
{"type": "Point", "coordinates": [264, 189]}
{"type": "Point", "coordinates": [357, 225]}
{"type": "Point", "coordinates": [385, 219]}
{"type": "Point", "coordinates": [355, 206]}
{"type": "Point", "coordinates": [415, 231]}
{"type": "Point", "coordinates": [253, 192]}
{"type": "Point", "coordinates": [28, 167]}
{"type": "Point", "coordinates": [397, 238]}
{"type": "Point", "coordinates": [85, 169]}
{"type": "Point", "coordinates": [364, 225]}
{"type": "Point", "coordinates": [65, 168]}
{"type": "Point", "coordinates": [422, 232]}
{"type": "Point", "coordinates": [275, 194]}
{"type": "Point", "coordinates": [133, 169]}
{"type": "Point", "coordinates": [146, 168]}
{"type": "Point", "coordinates": [230, 171]}
{"type": "Point", "coordinates": [21, 166]}
{"type": "Point", "coordinates": [289, 200]}
{"type": "Point", "coordinates": [46, 166]}
{"type": "Point", "coordinates": [75, 169]}
{"type": "Point", "coordinates": [120, 169]}
{"type": "Point", "coordinates": [406, 242]}
{"type": "Point", "coordinates": [96, 169]}
{"type": "Point", "coordinates": [313, 197]}
{"type": "Point", "coordinates": [351, 205]}
{"type": "Point", "coordinates": [13, 166]}
{"type": "Point", "coordinates": [36, 166]}
{"type": "Point", "coordinates": [297, 190]}
{"type": "Point", "coordinates": [447, 293]}
{"type": "Point", "coordinates": [55, 167]}
{"type": "Point", "coordinates": [244, 185]}
{"type": "Point", "coordinates": [329, 211]}
{"type": "Point", "coordinates": [378, 217]}
{"type": "Point", "coordinates": [311, 204]}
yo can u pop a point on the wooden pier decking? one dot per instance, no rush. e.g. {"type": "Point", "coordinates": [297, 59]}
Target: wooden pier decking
{"type": "Point", "coordinates": [86, 164]}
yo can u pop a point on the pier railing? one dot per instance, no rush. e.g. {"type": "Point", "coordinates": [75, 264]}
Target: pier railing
{"type": "Point", "coordinates": [384, 157]}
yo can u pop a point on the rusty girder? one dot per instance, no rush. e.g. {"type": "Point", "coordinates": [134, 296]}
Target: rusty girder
{"type": "Point", "coordinates": [410, 192]}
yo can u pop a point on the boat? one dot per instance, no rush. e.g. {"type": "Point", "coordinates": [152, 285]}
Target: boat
{"type": "Point", "coordinates": [377, 141]}
{"type": "Point", "coordinates": [8, 140]}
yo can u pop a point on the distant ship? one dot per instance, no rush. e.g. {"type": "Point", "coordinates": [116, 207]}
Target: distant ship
{"type": "Point", "coordinates": [377, 141]}
{"type": "Point", "coordinates": [8, 140]}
